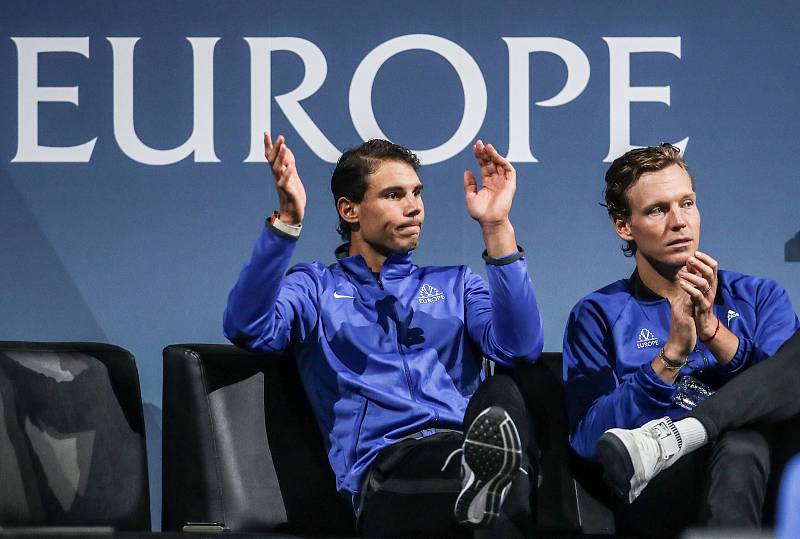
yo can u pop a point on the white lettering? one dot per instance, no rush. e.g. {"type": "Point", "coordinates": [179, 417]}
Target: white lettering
{"type": "Point", "coordinates": [201, 141]}
{"type": "Point", "coordinates": [622, 94]}
{"type": "Point", "coordinates": [316, 69]}
{"type": "Point", "coordinates": [30, 94]}
{"type": "Point", "coordinates": [519, 51]}
{"type": "Point", "coordinates": [469, 73]}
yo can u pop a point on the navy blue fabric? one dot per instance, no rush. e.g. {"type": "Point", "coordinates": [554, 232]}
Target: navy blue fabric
{"type": "Point", "coordinates": [385, 356]}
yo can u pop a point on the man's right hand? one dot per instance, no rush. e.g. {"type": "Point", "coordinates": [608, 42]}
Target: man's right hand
{"type": "Point", "coordinates": [291, 193]}
{"type": "Point", "coordinates": [682, 336]}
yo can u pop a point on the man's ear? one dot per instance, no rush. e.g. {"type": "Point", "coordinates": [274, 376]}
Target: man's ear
{"type": "Point", "coordinates": [348, 210]}
{"type": "Point", "coordinates": [622, 226]}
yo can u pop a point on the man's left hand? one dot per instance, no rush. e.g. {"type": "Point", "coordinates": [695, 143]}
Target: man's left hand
{"type": "Point", "coordinates": [492, 203]}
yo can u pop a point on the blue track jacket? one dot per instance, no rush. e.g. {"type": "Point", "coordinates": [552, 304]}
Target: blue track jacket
{"type": "Point", "coordinates": [614, 333]}
{"type": "Point", "coordinates": [382, 358]}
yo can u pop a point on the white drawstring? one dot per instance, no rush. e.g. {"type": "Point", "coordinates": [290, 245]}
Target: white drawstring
{"type": "Point", "coordinates": [446, 462]}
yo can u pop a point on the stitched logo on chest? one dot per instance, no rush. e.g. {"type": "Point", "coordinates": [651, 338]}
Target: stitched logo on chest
{"type": "Point", "coordinates": [429, 294]}
{"type": "Point", "coordinates": [731, 315]}
{"type": "Point", "coordinates": [646, 339]}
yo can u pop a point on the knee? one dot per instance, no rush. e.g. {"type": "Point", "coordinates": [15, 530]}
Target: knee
{"type": "Point", "coordinates": [501, 383]}
{"type": "Point", "coordinates": [497, 390]}
{"type": "Point", "coordinates": [501, 390]}
{"type": "Point", "coordinates": [744, 449]}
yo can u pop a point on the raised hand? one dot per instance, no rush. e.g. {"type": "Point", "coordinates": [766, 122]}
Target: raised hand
{"type": "Point", "coordinates": [698, 278]}
{"type": "Point", "coordinates": [492, 203]}
{"type": "Point", "coordinates": [291, 192]}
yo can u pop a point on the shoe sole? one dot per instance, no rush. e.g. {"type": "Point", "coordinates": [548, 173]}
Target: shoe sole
{"type": "Point", "coordinates": [617, 465]}
{"type": "Point", "coordinates": [492, 451]}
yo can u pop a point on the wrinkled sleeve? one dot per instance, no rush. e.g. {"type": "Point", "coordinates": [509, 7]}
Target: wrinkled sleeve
{"type": "Point", "coordinates": [597, 399]}
{"type": "Point", "coordinates": [776, 321]}
{"type": "Point", "coordinates": [502, 317]}
{"type": "Point", "coordinates": [266, 309]}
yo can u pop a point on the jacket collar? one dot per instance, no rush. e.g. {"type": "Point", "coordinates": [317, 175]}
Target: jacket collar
{"type": "Point", "coordinates": [396, 266]}
{"type": "Point", "coordinates": [639, 290]}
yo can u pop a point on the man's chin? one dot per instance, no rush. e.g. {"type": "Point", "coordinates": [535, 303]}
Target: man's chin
{"type": "Point", "coordinates": [408, 244]}
{"type": "Point", "coordinates": [408, 247]}
{"type": "Point", "coordinates": [399, 248]}
{"type": "Point", "coordinates": [678, 260]}
{"type": "Point", "coordinates": [668, 262]}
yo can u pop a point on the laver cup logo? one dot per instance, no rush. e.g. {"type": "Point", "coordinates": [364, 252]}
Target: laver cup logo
{"type": "Point", "coordinates": [429, 294]}
{"type": "Point", "coordinates": [646, 339]}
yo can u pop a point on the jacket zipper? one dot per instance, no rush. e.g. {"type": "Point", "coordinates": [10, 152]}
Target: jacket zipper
{"type": "Point", "coordinates": [406, 370]}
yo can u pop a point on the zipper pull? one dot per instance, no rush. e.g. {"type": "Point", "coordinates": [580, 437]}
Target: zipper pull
{"type": "Point", "coordinates": [377, 276]}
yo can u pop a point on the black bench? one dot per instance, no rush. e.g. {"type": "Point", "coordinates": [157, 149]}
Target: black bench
{"type": "Point", "coordinates": [241, 447]}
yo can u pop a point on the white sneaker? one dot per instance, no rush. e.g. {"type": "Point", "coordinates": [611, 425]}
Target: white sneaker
{"type": "Point", "coordinates": [490, 461]}
{"type": "Point", "coordinates": [631, 458]}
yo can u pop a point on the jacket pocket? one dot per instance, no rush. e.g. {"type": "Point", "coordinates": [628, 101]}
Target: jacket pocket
{"type": "Point", "coordinates": [358, 427]}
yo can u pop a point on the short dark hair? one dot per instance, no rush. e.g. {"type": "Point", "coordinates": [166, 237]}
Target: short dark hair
{"type": "Point", "coordinates": [354, 167]}
{"type": "Point", "coordinates": [626, 170]}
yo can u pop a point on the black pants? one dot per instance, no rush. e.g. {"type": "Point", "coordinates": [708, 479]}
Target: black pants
{"type": "Point", "coordinates": [407, 493]}
{"type": "Point", "coordinates": [764, 394]}
{"type": "Point", "coordinates": [753, 424]}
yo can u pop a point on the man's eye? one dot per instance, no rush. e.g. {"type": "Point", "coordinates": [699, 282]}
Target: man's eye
{"type": "Point", "coordinates": [658, 210]}
{"type": "Point", "coordinates": [391, 196]}
{"type": "Point", "coordinates": [688, 204]}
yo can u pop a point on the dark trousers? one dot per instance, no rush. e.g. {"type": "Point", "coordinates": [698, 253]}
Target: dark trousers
{"type": "Point", "coordinates": [753, 424]}
{"type": "Point", "coordinates": [407, 494]}
{"type": "Point", "coordinates": [764, 394]}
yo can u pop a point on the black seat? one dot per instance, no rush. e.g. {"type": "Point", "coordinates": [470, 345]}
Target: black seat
{"type": "Point", "coordinates": [571, 497]}
{"type": "Point", "coordinates": [72, 438]}
{"type": "Point", "coordinates": [241, 446]}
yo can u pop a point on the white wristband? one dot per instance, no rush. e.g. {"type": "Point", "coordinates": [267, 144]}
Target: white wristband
{"type": "Point", "coordinates": [292, 231]}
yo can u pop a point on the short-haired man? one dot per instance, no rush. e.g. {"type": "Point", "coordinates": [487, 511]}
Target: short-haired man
{"type": "Point", "coordinates": [391, 353]}
{"type": "Point", "coordinates": [645, 349]}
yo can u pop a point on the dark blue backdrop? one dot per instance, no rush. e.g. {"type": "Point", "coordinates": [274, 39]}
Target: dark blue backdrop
{"type": "Point", "coordinates": [110, 248]}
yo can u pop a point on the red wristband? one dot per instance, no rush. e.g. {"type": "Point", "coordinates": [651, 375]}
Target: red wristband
{"type": "Point", "coordinates": [714, 335]}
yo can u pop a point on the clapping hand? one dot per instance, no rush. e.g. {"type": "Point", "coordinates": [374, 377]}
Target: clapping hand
{"type": "Point", "coordinates": [291, 192]}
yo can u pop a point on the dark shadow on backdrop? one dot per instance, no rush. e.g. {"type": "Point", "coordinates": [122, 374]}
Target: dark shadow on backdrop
{"type": "Point", "coordinates": [45, 302]}
{"type": "Point", "coordinates": [792, 249]}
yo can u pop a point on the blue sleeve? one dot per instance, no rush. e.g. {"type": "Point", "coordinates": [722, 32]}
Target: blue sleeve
{"type": "Point", "coordinates": [503, 318]}
{"type": "Point", "coordinates": [776, 321]}
{"type": "Point", "coordinates": [266, 309]}
{"type": "Point", "coordinates": [597, 398]}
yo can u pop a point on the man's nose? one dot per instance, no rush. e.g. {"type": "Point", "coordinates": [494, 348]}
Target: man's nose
{"type": "Point", "coordinates": [677, 220]}
{"type": "Point", "coordinates": [413, 205]}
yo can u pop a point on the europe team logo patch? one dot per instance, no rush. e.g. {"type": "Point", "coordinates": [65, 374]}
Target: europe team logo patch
{"type": "Point", "coordinates": [646, 339]}
{"type": "Point", "coordinates": [429, 294]}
